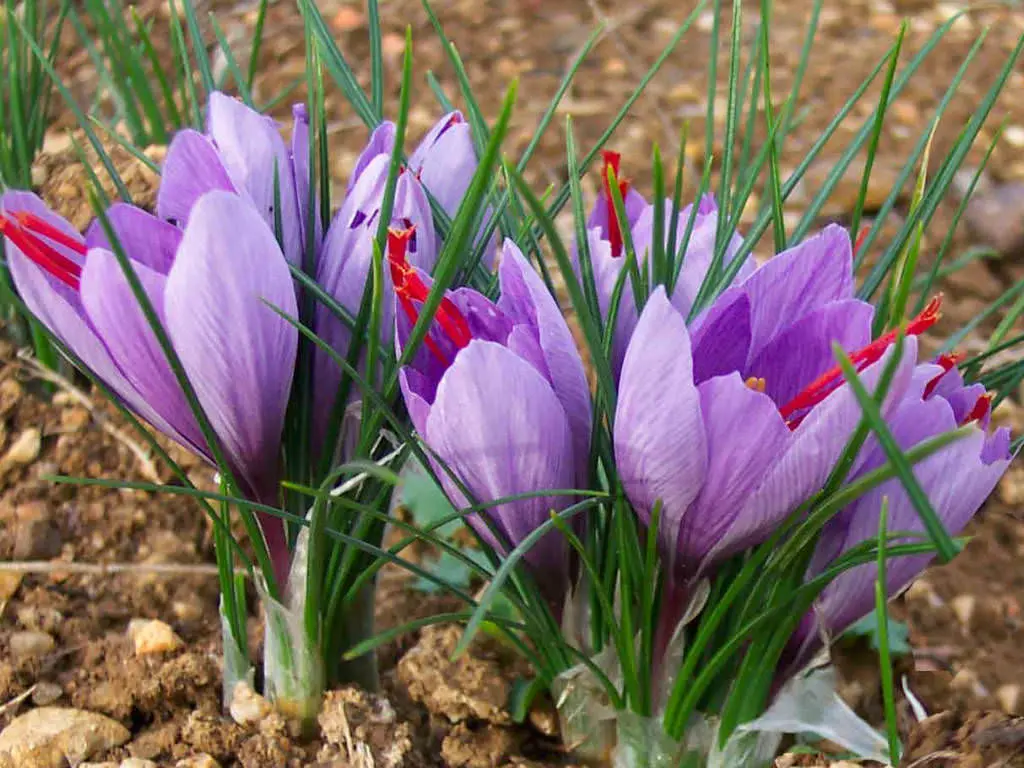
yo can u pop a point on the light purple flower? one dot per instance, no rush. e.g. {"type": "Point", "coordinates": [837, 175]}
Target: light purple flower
{"type": "Point", "coordinates": [346, 258]}
{"type": "Point", "coordinates": [605, 240]}
{"type": "Point", "coordinates": [498, 393]}
{"type": "Point", "coordinates": [726, 459]}
{"type": "Point", "coordinates": [957, 479]}
{"type": "Point", "coordinates": [242, 151]}
{"type": "Point", "coordinates": [444, 162]}
{"type": "Point", "coordinates": [208, 286]}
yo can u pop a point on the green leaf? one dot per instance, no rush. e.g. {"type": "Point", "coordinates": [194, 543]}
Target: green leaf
{"type": "Point", "coordinates": [898, 631]}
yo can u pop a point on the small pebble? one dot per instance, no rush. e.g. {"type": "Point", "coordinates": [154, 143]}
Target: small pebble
{"type": "Point", "coordinates": [1014, 135]}
{"type": "Point", "coordinates": [1008, 697]}
{"type": "Point", "coordinates": [9, 583]}
{"type": "Point", "coordinates": [56, 736]}
{"type": "Point", "coordinates": [202, 760]}
{"type": "Point", "coordinates": [247, 706]}
{"type": "Point", "coordinates": [46, 693]}
{"type": "Point", "coordinates": [24, 450]}
{"type": "Point", "coordinates": [30, 645]}
{"type": "Point", "coordinates": [963, 606]}
{"type": "Point", "coordinates": [152, 636]}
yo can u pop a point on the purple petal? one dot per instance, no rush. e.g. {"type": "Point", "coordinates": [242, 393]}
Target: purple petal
{"type": "Point", "coordinates": [817, 443]}
{"type": "Point", "coordinates": [634, 204]}
{"type": "Point", "coordinates": [382, 142]}
{"type": "Point", "coordinates": [300, 171]}
{"type": "Point", "coordinates": [721, 342]}
{"type": "Point", "coordinates": [700, 252]}
{"type": "Point", "coordinates": [145, 238]}
{"type": "Point", "coordinates": [412, 209]}
{"type": "Point", "coordinates": [956, 481]}
{"type": "Point", "coordinates": [660, 442]}
{"type": "Point", "coordinates": [499, 427]}
{"type": "Point", "coordinates": [238, 353]}
{"type": "Point", "coordinates": [446, 161]}
{"type": "Point", "coordinates": [118, 319]}
{"type": "Point", "coordinates": [526, 300]}
{"type": "Point", "coordinates": [253, 152]}
{"type": "Point", "coordinates": [802, 352]}
{"type": "Point", "coordinates": [797, 281]}
{"type": "Point", "coordinates": [191, 169]}
{"type": "Point", "coordinates": [745, 435]}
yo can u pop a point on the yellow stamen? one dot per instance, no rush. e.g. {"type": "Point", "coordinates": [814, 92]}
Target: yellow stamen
{"type": "Point", "coordinates": [755, 383]}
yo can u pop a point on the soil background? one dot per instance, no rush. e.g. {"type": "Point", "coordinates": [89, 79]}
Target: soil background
{"type": "Point", "coordinates": [86, 568]}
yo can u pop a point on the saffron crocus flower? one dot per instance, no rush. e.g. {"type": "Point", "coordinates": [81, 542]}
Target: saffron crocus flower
{"type": "Point", "coordinates": [347, 254]}
{"type": "Point", "coordinates": [242, 151]}
{"type": "Point", "coordinates": [732, 425]}
{"type": "Point", "coordinates": [207, 285]}
{"type": "Point", "coordinates": [957, 479]}
{"type": "Point", "coordinates": [605, 240]}
{"type": "Point", "coordinates": [444, 162]}
{"type": "Point", "coordinates": [498, 393]}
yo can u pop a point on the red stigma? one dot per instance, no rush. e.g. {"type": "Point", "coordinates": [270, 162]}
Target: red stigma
{"type": "Point", "coordinates": [980, 409]}
{"type": "Point", "coordinates": [831, 380]}
{"type": "Point", "coordinates": [860, 239]}
{"type": "Point", "coordinates": [947, 363]}
{"type": "Point", "coordinates": [611, 162]}
{"type": "Point", "coordinates": [26, 231]}
{"type": "Point", "coordinates": [410, 288]}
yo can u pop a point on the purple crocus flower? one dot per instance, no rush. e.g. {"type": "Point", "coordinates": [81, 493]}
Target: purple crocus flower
{"type": "Point", "coordinates": [207, 285]}
{"type": "Point", "coordinates": [499, 395]}
{"type": "Point", "coordinates": [347, 254]}
{"type": "Point", "coordinates": [733, 423]}
{"type": "Point", "coordinates": [605, 241]}
{"type": "Point", "coordinates": [957, 479]}
{"type": "Point", "coordinates": [242, 151]}
{"type": "Point", "coordinates": [444, 162]}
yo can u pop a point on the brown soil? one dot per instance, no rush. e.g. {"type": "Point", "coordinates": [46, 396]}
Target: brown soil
{"type": "Point", "coordinates": [964, 618]}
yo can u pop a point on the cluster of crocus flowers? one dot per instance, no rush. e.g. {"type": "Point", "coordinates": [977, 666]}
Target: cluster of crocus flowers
{"type": "Point", "coordinates": [733, 421]}
{"type": "Point", "coordinates": [232, 212]}
{"type": "Point", "coordinates": [727, 419]}
{"type": "Point", "coordinates": [498, 393]}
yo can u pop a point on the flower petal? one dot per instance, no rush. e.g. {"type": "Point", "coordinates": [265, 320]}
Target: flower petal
{"type": "Point", "coordinates": [499, 427]}
{"type": "Point", "coordinates": [721, 342]}
{"type": "Point", "coordinates": [526, 300]}
{"type": "Point", "coordinates": [815, 272]}
{"type": "Point", "coordinates": [300, 172]}
{"type": "Point", "coordinates": [745, 435]}
{"type": "Point", "coordinates": [660, 442]}
{"type": "Point", "coordinates": [254, 154]}
{"type": "Point", "coordinates": [191, 169]}
{"type": "Point", "coordinates": [802, 352]}
{"type": "Point", "coordinates": [446, 161]}
{"type": "Point", "coordinates": [117, 318]}
{"type": "Point", "coordinates": [238, 353]}
{"type": "Point", "coordinates": [817, 443]}
{"type": "Point", "coordinates": [956, 481]}
{"type": "Point", "coordinates": [382, 142]}
{"type": "Point", "coordinates": [145, 238]}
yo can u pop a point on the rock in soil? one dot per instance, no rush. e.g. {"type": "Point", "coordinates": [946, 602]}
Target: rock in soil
{"type": "Point", "coordinates": [52, 737]}
{"type": "Point", "coordinates": [28, 646]}
{"type": "Point", "coordinates": [486, 747]}
{"type": "Point", "coordinates": [152, 636]}
{"type": "Point", "coordinates": [473, 686]}
{"type": "Point", "coordinates": [197, 761]}
{"type": "Point", "coordinates": [972, 740]}
{"type": "Point", "coordinates": [362, 728]}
